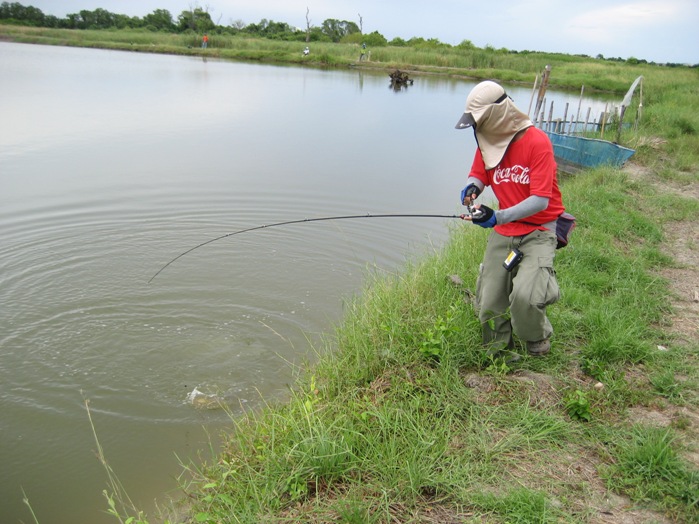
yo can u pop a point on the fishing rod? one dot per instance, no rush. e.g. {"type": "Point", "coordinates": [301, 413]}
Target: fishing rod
{"type": "Point", "coordinates": [300, 221]}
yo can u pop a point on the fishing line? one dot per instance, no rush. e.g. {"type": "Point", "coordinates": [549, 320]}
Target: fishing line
{"type": "Point", "coordinates": [300, 221]}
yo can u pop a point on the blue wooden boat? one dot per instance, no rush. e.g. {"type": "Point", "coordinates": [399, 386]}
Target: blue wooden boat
{"type": "Point", "coordinates": [575, 153]}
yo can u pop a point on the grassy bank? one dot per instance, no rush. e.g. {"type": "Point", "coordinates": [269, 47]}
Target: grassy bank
{"type": "Point", "coordinates": [402, 419]}
{"type": "Point", "coordinates": [568, 71]}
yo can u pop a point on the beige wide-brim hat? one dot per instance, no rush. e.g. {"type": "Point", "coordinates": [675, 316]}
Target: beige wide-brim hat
{"type": "Point", "coordinates": [495, 119]}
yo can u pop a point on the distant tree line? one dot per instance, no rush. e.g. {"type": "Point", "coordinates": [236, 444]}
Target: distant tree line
{"type": "Point", "coordinates": [198, 20]}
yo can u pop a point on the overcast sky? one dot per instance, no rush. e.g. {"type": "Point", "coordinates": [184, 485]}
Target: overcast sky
{"type": "Point", "coordinates": [654, 30]}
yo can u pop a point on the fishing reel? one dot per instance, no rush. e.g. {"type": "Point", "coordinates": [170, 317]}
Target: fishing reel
{"type": "Point", "coordinates": [473, 212]}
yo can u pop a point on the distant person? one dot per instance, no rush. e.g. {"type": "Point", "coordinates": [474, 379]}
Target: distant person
{"type": "Point", "coordinates": [516, 281]}
{"type": "Point", "coordinates": [306, 51]}
{"type": "Point", "coordinates": [362, 52]}
{"type": "Point", "coordinates": [205, 41]}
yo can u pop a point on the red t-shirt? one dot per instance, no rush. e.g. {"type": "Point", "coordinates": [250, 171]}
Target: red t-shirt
{"type": "Point", "coordinates": [528, 168]}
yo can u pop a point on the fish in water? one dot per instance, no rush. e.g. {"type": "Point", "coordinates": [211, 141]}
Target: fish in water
{"type": "Point", "coordinates": [203, 400]}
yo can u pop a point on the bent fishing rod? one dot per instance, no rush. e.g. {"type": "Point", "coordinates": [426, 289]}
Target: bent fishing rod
{"type": "Point", "coordinates": [300, 221]}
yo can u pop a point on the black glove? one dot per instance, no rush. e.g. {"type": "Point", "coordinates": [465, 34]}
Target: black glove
{"type": "Point", "coordinates": [471, 191]}
{"type": "Point", "coordinates": [484, 217]}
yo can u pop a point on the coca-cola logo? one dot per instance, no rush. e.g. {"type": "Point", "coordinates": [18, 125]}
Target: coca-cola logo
{"type": "Point", "coordinates": [516, 174]}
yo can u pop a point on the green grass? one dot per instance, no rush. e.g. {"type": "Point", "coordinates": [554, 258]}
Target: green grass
{"type": "Point", "coordinates": [403, 419]}
{"type": "Point", "coordinates": [648, 467]}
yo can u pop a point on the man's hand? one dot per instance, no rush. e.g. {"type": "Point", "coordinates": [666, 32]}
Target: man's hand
{"type": "Point", "coordinates": [469, 194]}
{"type": "Point", "coordinates": [483, 216]}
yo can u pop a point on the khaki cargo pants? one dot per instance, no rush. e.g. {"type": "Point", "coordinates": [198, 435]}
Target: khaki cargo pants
{"type": "Point", "coordinates": [515, 302]}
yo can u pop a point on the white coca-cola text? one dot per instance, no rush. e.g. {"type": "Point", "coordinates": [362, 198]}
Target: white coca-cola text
{"type": "Point", "coordinates": [516, 174]}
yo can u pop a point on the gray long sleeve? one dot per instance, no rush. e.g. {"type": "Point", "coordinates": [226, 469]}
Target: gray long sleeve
{"type": "Point", "coordinates": [526, 208]}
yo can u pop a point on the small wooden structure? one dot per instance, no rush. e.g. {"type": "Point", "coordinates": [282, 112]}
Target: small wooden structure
{"type": "Point", "coordinates": [400, 79]}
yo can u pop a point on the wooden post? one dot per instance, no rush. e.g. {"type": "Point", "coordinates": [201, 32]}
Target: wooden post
{"type": "Point", "coordinates": [565, 116]}
{"type": "Point", "coordinates": [540, 116]}
{"type": "Point", "coordinates": [543, 113]}
{"type": "Point", "coordinates": [587, 119]}
{"type": "Point", "coordinates": [308, 26]}
{"type": "Point", "coordinates": [577, 117]}
{"type": "Point", "coordinates": [531, 99]}
{"type": "Point", "coordinates": [542, 89]}
{"type": "Point", "coordinates": [604, 119]}
{"type": "Point", "coordinates": [639, 109]}
{"type": "Point", "coordinates": [621, 123]}
{"type": "Point", "coordinates": [550, 117]}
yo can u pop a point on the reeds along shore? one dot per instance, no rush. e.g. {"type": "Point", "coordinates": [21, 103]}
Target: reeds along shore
{"type": "Point", "coordinates": [571, 72]}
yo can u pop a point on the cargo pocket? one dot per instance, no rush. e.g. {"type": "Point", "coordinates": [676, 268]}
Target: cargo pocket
{"type": "Point", "coordinates": [545, 290]}
{"type": "Point", "coordinates": [479, 286]}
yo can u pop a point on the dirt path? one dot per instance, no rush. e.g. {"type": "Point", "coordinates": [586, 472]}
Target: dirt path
{"type": "Point", "coordinates": [682, 243]}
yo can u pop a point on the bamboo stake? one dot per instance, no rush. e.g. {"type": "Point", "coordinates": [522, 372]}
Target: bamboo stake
{"type": "Point", "coordinates": [548, 125]}
{"type": "Point", "coordinates": [604, 119]}
{"type": "Point", "coordinates": [531, 100]}
{"type": "Point", "coordinates": [621, 123]}
{"type": "Point", "coordinates": [542, 117]}
{"type": "Point", "coordinates": [639, 110]}
{"type": "Point", "coordinates": [577, 117]}
{"type": "Point", "coordinates": [542, 89]}
{"type": "Point", "coordinates": [587, 118]}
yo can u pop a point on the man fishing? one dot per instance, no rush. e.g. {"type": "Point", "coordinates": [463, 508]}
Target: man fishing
{"type": "Point", "coordinates": [516, 280]}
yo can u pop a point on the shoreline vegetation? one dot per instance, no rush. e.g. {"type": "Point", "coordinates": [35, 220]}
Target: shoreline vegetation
{"type": "Point", "coordinates": [569, 71]}
{"type": "Point", "coordinates": [403, 419]}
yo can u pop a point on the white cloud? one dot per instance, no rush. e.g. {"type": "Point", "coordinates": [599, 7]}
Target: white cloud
{"type": "Point", "coordinates": [609, 23]}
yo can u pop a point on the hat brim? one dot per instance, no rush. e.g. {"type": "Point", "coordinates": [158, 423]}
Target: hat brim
{"type": "Point", "coordinates": [465, 121]}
